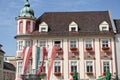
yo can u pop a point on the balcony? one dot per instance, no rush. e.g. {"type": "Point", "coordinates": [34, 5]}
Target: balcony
{"type": "Point", "coordinates": [57, 73]}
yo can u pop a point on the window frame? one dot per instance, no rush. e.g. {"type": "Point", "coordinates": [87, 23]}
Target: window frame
{"type": "Point", "coordinates": [88, 43]}
{"type": "Point", "coordinates": [73, 25]}
{"type": "Point", "coordinates": [104, 67]}
{"type": "Point", "coordinates": [43, 25]}
{"type": "Point", "coordinates": [89, 66]}
{"type": "Point", "coordinates": [60, 45]}
{"type": "Point", "coordinates": [109, 61]}
{"type": "Point", "coordinates": [19, 70]}
{"type": "Point", "coordinates": [73, 66]}
{"type": "Point", "coordinates": [73, 43]}
{"type": "Point", "coordinates": [57, 68]}
{"type": "Point", "coordinates": [42, 43]}
{"type": "Point", "coordinates": [105, 44]}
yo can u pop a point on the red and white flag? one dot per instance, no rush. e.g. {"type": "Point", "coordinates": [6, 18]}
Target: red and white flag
{"type": "Point", "coordinates": [41, 61]}
{"type": "Point", "coordinates": [52, 55]}
{"type": "Point", "coordinates": [27, 53]}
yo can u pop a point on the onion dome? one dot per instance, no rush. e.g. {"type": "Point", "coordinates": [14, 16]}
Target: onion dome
{"type": "Point", "coordinates": [26, 11]}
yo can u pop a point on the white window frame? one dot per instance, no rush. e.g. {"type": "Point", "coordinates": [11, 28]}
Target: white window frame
{"type": "Point", "coordinates": [19, 66]}
{"type": "Point", "coordinates": [88, 43]}
{"type": "Point", "coordinates": [42, 43]}
{"type": "Point", "coordinates": [90, 65]}
{"type": "Point", "coordinates": [60, 43]}
{"type": "Point", "coordinates": [43, 25]}
{"type": "Point", "coordinates": [60, 64]}
{"type": "Point", "coordinates": [74, 64]}
{"type": "Point", "coordinates": [73, 25]}
{"type": "Point", "coordinates": [105, 25]}
{"type": "Point", "coordinates": [28, 43]}
{"type": "Point", "coordinates": [20, 44]}
{"type": "Point", "coordinates": [109, 61]}
{"type": "Point", "coordinates": [105, 43]}
{"type": "Point", "coordinates": [72, 45]}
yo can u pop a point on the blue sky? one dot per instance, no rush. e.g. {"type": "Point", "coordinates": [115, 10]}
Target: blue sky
{"type": "Point", "coordinates": [9, 9]}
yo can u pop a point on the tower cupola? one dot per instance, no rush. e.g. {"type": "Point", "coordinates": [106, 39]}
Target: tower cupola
{"type": "Point", "coordinates": [27, 11]}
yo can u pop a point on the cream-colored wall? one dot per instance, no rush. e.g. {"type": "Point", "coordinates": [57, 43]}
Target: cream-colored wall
{"type": "Point", "coordinates": [81, 62]}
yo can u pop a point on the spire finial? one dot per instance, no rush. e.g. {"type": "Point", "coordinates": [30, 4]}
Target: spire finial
{"type": "Point", "coordinates": [27, 3]}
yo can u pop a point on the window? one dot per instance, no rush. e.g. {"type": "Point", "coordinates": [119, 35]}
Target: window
{"type": "Point", "coordinates": [42, 43]}
{"type": "Point", "coordinates": [104, 43]}
{"type": "Point", "coordinates": [73, 43]}
{"type": "Point", "coordinates": [88, 43]}
{"type": "Point", "coordinates": [19, 67]}
{"type": "Point", "coordinates": [57, 67]}
{"type": "Point", "coordinates": [28, 27]}
{"type": "Point", "coordinates": [28, 43]}
{"type": "Point", "coordinates": [43, 27]}
{"type": "Point", "coordinates": [106, 66]}
{"type": "Point", "coordinates": [104, 28]}
{"type": "Point", "coordinates": [20, 45]}
{"type": "Point", "coordinates": [73, 66]}
{"type": "Point", "coordinates": [20, 27]}
{"type": "Point", "coordinates": [73, 29]}
{"type": "Point", "coordinates": [57, 43]}
{"type": "Point", "coordinates": [89, 66]}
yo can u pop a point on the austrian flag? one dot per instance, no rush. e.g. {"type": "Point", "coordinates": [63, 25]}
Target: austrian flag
{"type": "Point", "coordinates": [27, 53]}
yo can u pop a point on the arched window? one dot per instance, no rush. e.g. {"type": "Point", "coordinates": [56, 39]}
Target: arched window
{"type": "Point", "coordinates": [28, 27]}
{"type": "Point", "coordinates": [20, 27]}
{"type": "Point", "coordinates": [33, 26]}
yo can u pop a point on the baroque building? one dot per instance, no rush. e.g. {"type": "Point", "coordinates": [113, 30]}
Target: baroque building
{"type": "Point", "coordinates": [85, 41]}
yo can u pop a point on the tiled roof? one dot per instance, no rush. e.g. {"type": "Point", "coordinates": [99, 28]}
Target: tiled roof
{"type": "Point", "coordinates": [9, 66]}
{"type": "Point", "coordinates": [117, 24]}
{"type": "Point", "coordinates": [88, 23]}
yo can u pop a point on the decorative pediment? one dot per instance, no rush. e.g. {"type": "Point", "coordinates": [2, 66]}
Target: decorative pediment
{"type": "Point", "coordinates": [58, 58]}
{"type": "Point", "coordinates": [106, 57]}
{"type": "Point", "coordinates": [74, 57]}
{"type": "Point", "coordinates": [89, 57]}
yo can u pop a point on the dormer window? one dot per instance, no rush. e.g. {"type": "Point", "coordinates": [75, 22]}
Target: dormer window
{"type": "Point", "coordinates": [104, 26]}
{"type": "Point", "coordinates": [43, 27]}
{"type": "Point", "coordinates": [73, 27]}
